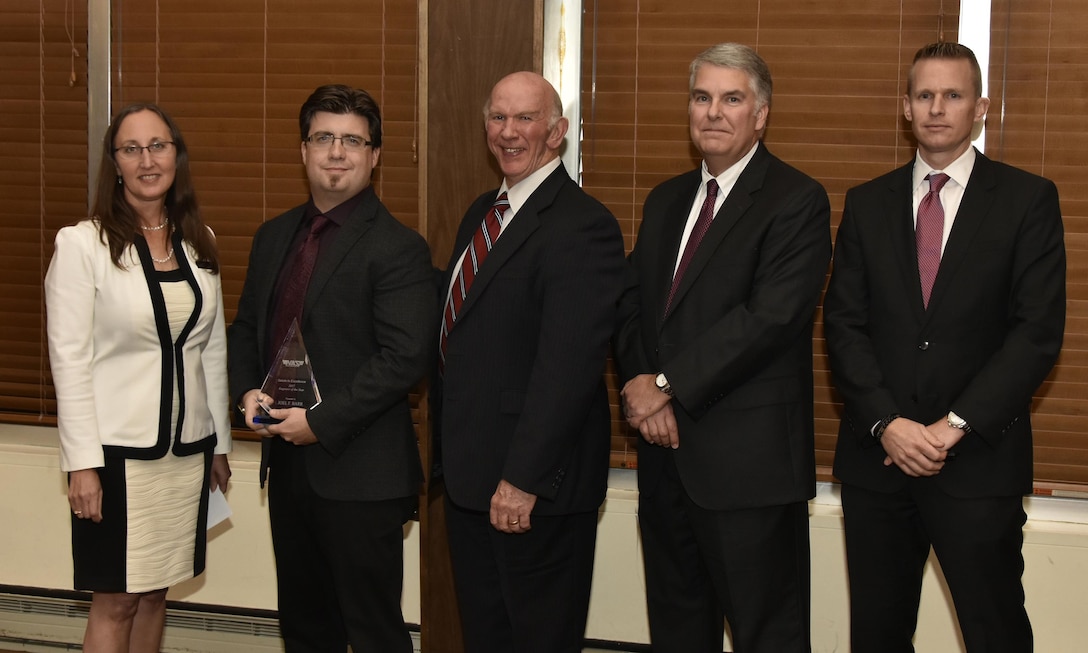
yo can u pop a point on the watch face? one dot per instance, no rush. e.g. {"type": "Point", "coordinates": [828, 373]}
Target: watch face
{"type": "Point", "coordinates": [661, 382]}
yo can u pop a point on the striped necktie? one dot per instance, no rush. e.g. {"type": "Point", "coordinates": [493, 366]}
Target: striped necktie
{"type": "Point", "coordinates": [482, 242]}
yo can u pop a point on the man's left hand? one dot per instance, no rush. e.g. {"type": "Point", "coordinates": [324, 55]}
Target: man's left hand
{"type": "Point", "coordinates": [947, 434]}
{"type": "Point", "coordinates": [511, 508]}
{"type": "Point", "coordinates": [642, 398]}
{"type": "Point", "coordinates": [294, 428]}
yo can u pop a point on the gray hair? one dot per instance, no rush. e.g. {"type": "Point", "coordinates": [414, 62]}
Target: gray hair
{"type": "Point", "coordinates": [742, 58]}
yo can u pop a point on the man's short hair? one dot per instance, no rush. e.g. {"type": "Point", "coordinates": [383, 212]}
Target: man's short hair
{"type": "Point", "coordinates": [341, 99]}
{"type": "Point", "coordinates": [742, 58]}
{"type": "Point", "coordinates": [943, 50]}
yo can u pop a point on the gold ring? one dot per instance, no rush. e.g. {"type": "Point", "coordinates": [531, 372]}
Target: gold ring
{"type": "Point", "coordinates": [78, 513]}
{"type": "Point", "coordinates": [514, 523]}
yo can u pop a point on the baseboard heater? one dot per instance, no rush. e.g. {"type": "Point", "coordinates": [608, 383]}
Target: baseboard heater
{"type": "Point", "coordinates": [36, 619]}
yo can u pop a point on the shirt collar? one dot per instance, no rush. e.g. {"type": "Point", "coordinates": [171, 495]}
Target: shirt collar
{"type": "Point", "coordinates": [730, 175]}
{"type": "Point", "coordinates": [519, 193]}
{"type": "Point", "coordinates": [340, 213]}
{"type": "Point", "coordinates": [959, 170]}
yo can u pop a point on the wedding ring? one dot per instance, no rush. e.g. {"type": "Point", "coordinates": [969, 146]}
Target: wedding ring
{"type": "Point", "coordinates": [514, 523]}
{"type": "Point", "coordinates": [78, 513]}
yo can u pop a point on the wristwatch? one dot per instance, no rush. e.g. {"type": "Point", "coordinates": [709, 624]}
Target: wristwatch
{"type": "Point", "coordinates": [663, 384]}
{"type": "Point", "coordinates": [957, 422]}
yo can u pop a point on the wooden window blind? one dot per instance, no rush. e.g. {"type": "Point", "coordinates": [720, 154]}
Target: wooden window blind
{"type": "Point", "coordinates": [839, 70]}
{"type": "Point", "coordinates": [234, 74]}
{"type": "Point", "coordinates": [43, 182]}
{"type": "Point", "coordinates": [1038, 85]}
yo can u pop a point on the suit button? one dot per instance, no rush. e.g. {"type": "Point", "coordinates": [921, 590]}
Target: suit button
{"type": "Point", "coordinates": [924, 346]}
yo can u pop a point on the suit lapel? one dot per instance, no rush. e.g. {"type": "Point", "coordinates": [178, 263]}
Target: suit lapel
{"type": "Point", "coordinates": [675, 220]}
{"type": "Point", "coordinates": [736, 204]}
{"type": "Point", "coordinates": [353, 229]}
{"type": "Point", "coordinates": [524, 223]}
{"type": "Point", "coordinates": [975, 205]}
{"type": "Point", "coordinates": [898, 208]}
{"type": "Point", "coordinates": [279, 244]}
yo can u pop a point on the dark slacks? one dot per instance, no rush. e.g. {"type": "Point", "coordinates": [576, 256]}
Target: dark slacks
{"type": "Point", "coordinates": [978, 543]}
{"type": "Point", "coordinates": [523, 593]}
{"type": "Point", "coordinates": [750, 567]}
{"type": "Point", "coordinates": [339, 564]}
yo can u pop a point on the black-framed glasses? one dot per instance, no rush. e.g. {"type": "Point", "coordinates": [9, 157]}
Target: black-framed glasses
{"type": "Point", "coordinates": [132, 151]}
{"type": "Point", "coordinates": [324, 140]}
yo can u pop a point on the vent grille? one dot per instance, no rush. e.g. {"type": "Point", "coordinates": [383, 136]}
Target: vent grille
{"type": "Point", "coordinates": [252, 626]}
{"type": "Point", "coordinates": [43, 606]}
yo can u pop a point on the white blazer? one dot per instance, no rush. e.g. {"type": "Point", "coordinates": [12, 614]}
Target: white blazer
{"type": "Point", "coordinates": [113, 359]}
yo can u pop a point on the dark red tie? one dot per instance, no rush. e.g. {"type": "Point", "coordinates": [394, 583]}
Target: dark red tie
{"type": "Point", "coordinates": [706, 216]}
{"type": "Point", "coordinates": [482, 242]}
{"type": "Point", "coordinates": [290, 302]}
{"type": "Point", "coordinates": [929, 234]}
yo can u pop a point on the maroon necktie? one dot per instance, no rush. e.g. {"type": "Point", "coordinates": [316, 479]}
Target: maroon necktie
{"type": "Point", "coordinates": [482, 242]}
{"type": "Point", "coordinates": [706, 216]}
{"type": "Point", "coordinates": [929, 234]}
{"type": "Point", "coordinates": [290, 302]}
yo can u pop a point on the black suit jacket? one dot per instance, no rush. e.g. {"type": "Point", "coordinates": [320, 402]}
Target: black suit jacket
{"type": "Point", "coordinates": [523, 396]}
{"type": "Point", "coordinates": [369, 327]}
{"type": "Point", "coordinates": [737, 344]}
{"type": "Point", "coordinates": [989, 337]}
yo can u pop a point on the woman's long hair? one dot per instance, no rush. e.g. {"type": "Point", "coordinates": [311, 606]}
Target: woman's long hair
{"type": "Point", "coordinates": [118, 224]}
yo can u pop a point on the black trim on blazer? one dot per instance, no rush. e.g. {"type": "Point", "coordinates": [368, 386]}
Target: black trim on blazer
{"type": "Point", "coordinates": [171, 357]}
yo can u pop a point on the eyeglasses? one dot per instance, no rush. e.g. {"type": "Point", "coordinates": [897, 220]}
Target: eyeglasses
{"type": "Point", "coordinates": [351, 142]}
{"type": "Point", "coordinates": [133, 152]}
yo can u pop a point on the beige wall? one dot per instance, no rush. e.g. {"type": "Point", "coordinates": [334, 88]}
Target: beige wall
{"type": "Point", "coordinates": [34, 552]}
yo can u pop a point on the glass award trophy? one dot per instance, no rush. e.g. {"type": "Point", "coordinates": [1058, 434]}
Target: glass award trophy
{"type": "Point", "coordinates": [290, 382]}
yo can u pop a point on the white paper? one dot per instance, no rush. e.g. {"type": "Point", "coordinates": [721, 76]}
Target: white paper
{"type": "Point", "coordinates": [218, 508]}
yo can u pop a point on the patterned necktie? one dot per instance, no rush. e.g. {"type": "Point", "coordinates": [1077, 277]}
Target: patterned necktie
{"type": "Point", "coordinates": [290, 302]}
{"type": "Point", "coordinates": [482, 242]}
{"type": "Point", "coordinates": [706, 216]}
{"type": "Point", "coordinates": [929, 234]}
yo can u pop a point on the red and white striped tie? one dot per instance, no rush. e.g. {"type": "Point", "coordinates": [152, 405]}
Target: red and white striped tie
{"type": "Point", "coordinates": [482, 242]}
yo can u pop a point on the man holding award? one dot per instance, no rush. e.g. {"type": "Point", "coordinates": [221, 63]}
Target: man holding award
{"type": "Point", "coordinates": [335, 325]}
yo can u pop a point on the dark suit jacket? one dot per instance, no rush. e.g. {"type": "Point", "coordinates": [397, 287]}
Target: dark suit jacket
{"type": "Point", "coordinates": [737, 344]}
{"type": "Point", "coordinates": [369, 327]}
{"type": "Point", "coordinates": [523, 396]}
{"type": "Point", "coordinates": [990, 336]}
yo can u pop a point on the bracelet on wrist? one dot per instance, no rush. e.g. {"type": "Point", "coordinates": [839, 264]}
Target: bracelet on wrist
{"type": "Point", "coordinates": [881, 426]}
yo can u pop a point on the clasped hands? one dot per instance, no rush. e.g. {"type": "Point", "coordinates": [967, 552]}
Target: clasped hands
{"type": "Point", "coordinates": [649, 410]}
{"type": "Point", "coordinates": [917, 449]}
{"type": "Point", "coordinates": [294, 428]}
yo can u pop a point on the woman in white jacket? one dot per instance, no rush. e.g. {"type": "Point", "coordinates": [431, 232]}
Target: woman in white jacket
{"type": "Point", "coordinates": [138, 352]}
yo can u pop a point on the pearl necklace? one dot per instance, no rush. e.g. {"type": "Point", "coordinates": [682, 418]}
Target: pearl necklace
{"type": "Point", "coordinates": [169, 255]}
{"type": "Point", "coordinates": [161, 226]}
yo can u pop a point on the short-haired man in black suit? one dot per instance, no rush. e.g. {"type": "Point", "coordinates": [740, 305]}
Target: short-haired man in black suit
{"type": "Point", "coordinates": [345, 474]}
{"type": "Point", "coordinates": [945, 312]}
{"type": "Point", "coordinates": [730, 260]}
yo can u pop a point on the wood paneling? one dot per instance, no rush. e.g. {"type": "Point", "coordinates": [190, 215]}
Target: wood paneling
{"type": "Point", "coordinates": [470, 45]}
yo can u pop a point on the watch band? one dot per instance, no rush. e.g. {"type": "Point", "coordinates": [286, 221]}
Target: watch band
{"type": "Point", "coordinates": [882, 425]}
